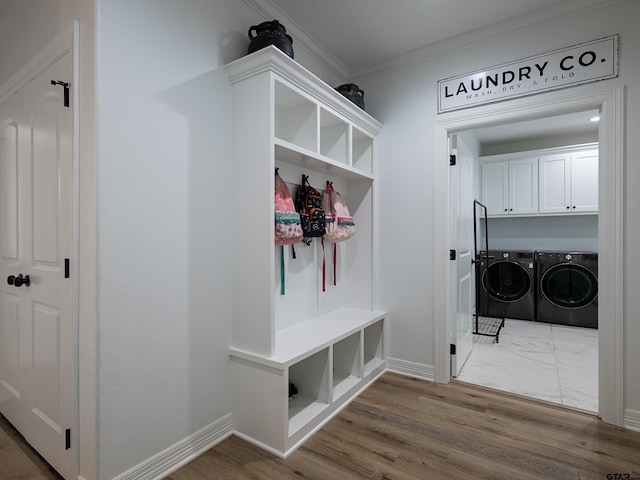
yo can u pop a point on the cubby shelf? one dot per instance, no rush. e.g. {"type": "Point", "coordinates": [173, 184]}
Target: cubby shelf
{"type": "Point", "coordinates": [328, 343]}
{"type": "Point", "coordinates": [332, 371]}
{"type": "Point", "coordinates": [300, 340]}
{"type": "Point", "coordinates": [295, 155]}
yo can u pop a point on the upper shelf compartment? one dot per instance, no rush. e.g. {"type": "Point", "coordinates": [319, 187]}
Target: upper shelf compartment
{"type": "Point", "coordinates": [312, 121]}
{"type": "Point", "coordinates": [296, 118]}
{"type": "Point", "coordinates": [361, 151]}
{"type": "Point", "coordinates": [334, 137]}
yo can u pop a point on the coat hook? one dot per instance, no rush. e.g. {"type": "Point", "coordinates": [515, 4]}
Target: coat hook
{"type": "Point", "coordinates": [66, 90]}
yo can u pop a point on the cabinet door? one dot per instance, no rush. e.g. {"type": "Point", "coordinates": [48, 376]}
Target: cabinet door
{"type": "Point", "coordinates": [495, 192]}
{"type": "Point", "coordinates": [555, 185]}
{"type": "Point", "coordinates": [523, 187]}
{"type": "Point", "coordinates": [584, 181]}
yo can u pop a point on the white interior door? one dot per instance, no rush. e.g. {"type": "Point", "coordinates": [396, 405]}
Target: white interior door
{"type": "Point", "coordinates": [36, 374]}
{"type": "Point", "coordinates": [462, 288]}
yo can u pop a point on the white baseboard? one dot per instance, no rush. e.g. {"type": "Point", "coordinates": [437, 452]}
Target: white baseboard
{"type": "Point", "coordinates": [181, 453]}
{"type": "Point", "coordinates": [632, 420]}
{"type": "Point", "coordinates": [411, 369]}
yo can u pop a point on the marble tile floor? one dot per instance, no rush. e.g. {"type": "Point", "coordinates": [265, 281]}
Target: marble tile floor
{"type": "Point", "coordinates": [555, 363]}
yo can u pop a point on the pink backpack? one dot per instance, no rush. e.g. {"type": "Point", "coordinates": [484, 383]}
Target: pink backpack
{"type": "Point", "coordinates": [288, 229]}
{"type": "Point", "coordinates": [339, 225]}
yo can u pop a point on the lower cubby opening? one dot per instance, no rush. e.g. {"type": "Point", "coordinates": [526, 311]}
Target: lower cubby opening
{"type": "Point", "coordinates": [373, 346]}
{"type": "Point", "coordinates": [310, 378]}
{"type": "Point", "coordinates": [329, 360]}
{"type": "Point", "coordinates": [346, 365]}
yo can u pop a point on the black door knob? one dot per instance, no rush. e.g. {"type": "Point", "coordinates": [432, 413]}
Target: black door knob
{"type": "Point", "coordinates": [20, 280]}
{"type": "Point", "coordinates": [10, 279]}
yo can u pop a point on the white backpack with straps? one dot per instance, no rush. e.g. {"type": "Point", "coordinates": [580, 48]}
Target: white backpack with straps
{"type": "Point", "coordinates": [339, 225]}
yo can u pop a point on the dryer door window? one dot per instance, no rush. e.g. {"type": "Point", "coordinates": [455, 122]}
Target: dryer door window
{"type": "Point", "coordinates": [569, 286]}
{"type": "Point", "coordinates": [506, 281]}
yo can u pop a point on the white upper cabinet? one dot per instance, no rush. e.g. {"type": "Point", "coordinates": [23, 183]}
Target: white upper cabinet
{"type": "Point", "coordinates": [495, 188]}
{"type": "Point", "coordinates": [523, 187]}
{"type": "Point", "coordinates": [561, 181]}
{"type": "Point", "coordinates": [584, 181]}
{"type": "Point", "coordinates": [555, 185]}
{"type": "Point", "coordinates": [510, 188]}
{"type": "Point", "coordinates": [569, 182]}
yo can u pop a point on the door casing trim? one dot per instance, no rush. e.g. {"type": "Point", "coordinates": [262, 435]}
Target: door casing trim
{"type": "Point", "coordinates": [609, 99]}
{"type": "Point", "coordinates": [67, 42]}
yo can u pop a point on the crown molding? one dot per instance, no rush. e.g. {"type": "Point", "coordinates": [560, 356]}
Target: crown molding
{"type": "Point", "coordinates": [320, 54]}
{"type": "Point", "coordinates": [544, 16]}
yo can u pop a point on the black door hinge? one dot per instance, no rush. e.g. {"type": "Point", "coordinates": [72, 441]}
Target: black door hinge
{"type": "Point", "coordinates": [65, 85]}
{"type": "Point", "coordinates": [452, 160]}
{"type": "Point", "coordinates": [66, 268]}
{"type": "Point", "coordinates": [452, 348]}
{"type": "Point", "coordinates": [452, 254]}
{"type": "Point", "coordinates": [67, 435]}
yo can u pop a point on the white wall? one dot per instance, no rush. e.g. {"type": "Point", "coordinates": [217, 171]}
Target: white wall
{"type": "Point", "coordinates": [564, 234]}
{"type": "Point", "coordinates": [404, 99]}
{"type": "Point", "coordinates": [155, 243]}
{"type": "Point", "coordinates": [164, 242]}
{"type": "Point", "coordinates": [163, 172]}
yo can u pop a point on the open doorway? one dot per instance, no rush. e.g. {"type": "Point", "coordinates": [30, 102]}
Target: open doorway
{"type": "Point", "coordinates": [520, 170]}
{"type": "Point", "coordinates": [609, 101]}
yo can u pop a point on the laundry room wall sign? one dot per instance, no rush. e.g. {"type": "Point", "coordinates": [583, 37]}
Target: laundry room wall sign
{"type": "Point", "coordinates": [583, 63]}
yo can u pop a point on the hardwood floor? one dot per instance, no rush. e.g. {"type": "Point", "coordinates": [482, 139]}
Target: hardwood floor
{"type": "Point", "coordinates": [403, 428]}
